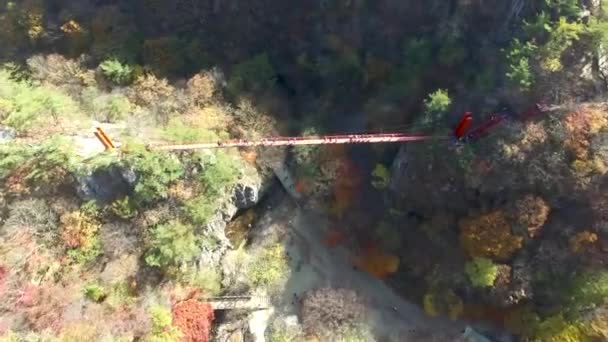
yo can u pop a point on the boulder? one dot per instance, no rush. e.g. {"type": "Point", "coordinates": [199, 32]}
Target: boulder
{"type": "Point", "coordinates": [7, 134]}
{"type": "Point", "coordinates": [246, 195]}
{"type": "Point", "coordinates": [108, 184]}
{"type": "Point", "coordinates": [250, 188]}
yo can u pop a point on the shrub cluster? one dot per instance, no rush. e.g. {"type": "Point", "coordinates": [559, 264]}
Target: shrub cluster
{"type": "Point", "coordinates": [326, 311]}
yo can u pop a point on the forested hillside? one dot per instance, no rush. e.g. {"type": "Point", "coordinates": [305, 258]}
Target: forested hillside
{"type": "Point", "coordinates": [505, 231]}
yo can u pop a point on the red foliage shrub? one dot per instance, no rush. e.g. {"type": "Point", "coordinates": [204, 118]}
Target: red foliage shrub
{"type": "Point", "coordinates": [47, 305]}
{"type": "Point", "coordinates": [194, 319]}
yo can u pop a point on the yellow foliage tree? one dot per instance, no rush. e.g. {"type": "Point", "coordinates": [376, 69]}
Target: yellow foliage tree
{"type": "Point", "coordinates": [202, 88]}
{"type": "Point", "coordinates": [149, 88]}
{"type": "Point", "coordinates": [584, 169]}
{"type": "Point", "coordinates": [581, 127]}
{"type": "Point", "coordinates": [581, 240]}
{"type": "Point", "coordinates": [31, 15]}
{"type": "Point", "coordinates": [489, 235]}
{"type": "Point", "coordinates": [76, 35]}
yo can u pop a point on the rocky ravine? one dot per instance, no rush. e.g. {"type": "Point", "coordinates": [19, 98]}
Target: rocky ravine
{"type": "Point", "coordinates": [314, 265]}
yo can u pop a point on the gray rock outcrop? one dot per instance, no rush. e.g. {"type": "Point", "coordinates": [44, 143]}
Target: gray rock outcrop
{"type": "Point", "coordinates": [7, 134]}
{"type": "Point", "coordinates": [106, 185]}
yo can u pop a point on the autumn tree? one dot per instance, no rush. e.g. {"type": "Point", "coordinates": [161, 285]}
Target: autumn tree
{"type": "Point", "coordinates": [489, 235]}
{"type": "Point", "coordinates": [79, 234]}
{"type": "Point", "coordinates": [326, 310]}
{"type": "Point", "coordinates": [202, 88]}
{"type": "Point", "coordinates": [194, 319]}
{"type": "Point", "coordinates": [582, 240]}
{"type": "Point", "coordinates": [584, 127]}
{"type": "Point", "coordinates": [376, 263]}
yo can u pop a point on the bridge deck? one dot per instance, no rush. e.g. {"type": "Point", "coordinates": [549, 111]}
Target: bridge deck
{"type": "Point", "coordinates": [239, 302]}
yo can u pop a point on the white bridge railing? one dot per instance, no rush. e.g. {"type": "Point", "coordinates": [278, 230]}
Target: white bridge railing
{"type": "Point", "coordinates": [239, 302]}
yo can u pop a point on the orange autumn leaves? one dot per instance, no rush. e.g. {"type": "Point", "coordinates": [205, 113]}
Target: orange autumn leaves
{"type": "Point", "coordinates": [372, 260]}
{"type": "Point", "coordinates": [582, 240]}
{"type": "Point", "coordinates": [581, 127]}
{"type": "Point", "coordinates": [489, 235]}
{"type": "Point", "coordinates": [377, 263]}
{"type": "Point", "coordinates": [492, 235]}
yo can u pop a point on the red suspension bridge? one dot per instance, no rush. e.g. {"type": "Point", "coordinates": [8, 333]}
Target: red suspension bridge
{"type": "Point", "coordinates": [460, 133]}
{"type": "Point", "coordinates": [297, 141]}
